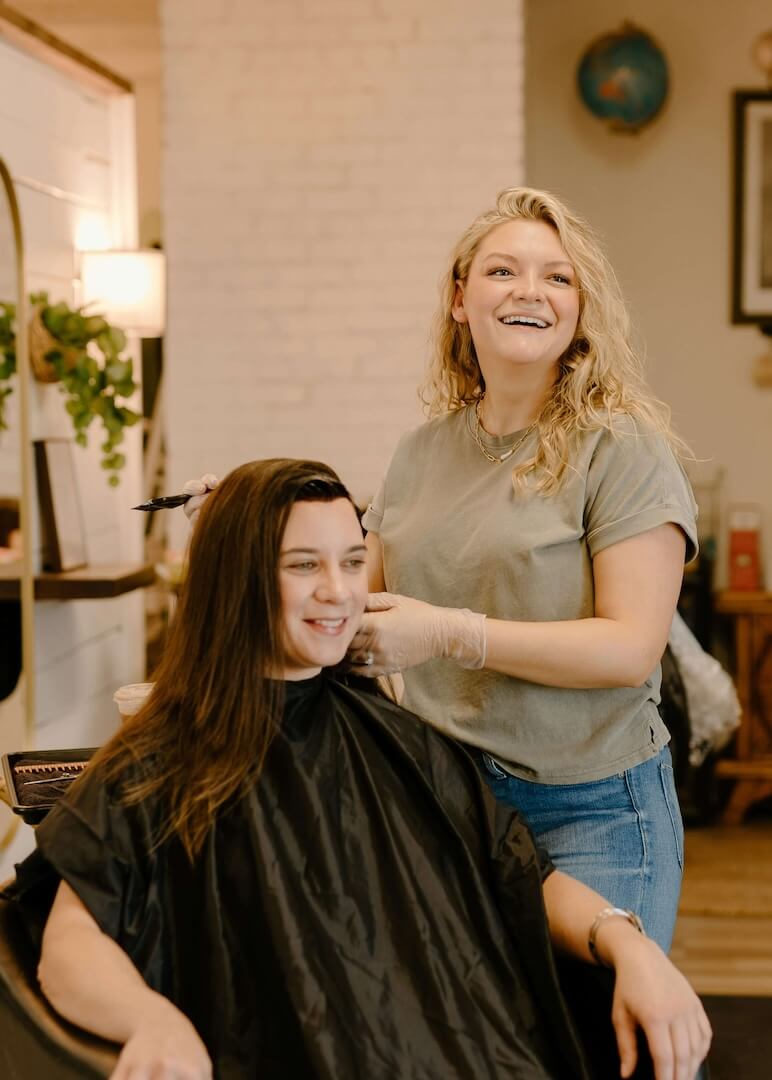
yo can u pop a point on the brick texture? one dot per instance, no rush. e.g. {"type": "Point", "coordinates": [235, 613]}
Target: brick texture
{"type": "Point", "coordinates": [320, 159]}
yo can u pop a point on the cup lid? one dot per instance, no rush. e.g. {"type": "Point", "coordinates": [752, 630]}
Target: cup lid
{"type": "Point", "coordinates": [131, 698]}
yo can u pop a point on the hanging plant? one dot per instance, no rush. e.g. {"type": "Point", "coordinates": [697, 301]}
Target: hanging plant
{"type": "Point", "coordinates": [83, 354]}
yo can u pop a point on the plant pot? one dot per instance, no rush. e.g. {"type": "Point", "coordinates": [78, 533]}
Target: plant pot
{"type": "Point", "coordinates": [42, 342]}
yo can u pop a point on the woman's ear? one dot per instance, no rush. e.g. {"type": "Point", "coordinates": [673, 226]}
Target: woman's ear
{"type": "Point", "coordinates": [457, 308]}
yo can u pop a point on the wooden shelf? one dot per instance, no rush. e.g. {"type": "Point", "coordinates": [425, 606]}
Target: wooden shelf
{"type": "Point", "coordinates": [87, 583]}
{"type": "Point", "coordinates": [729, 602]}
{"type": "Point", "coordinates": [758, 769]}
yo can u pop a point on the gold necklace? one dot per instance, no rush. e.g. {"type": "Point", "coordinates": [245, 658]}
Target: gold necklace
{"type": "Point", "coordinates": [496, 459]}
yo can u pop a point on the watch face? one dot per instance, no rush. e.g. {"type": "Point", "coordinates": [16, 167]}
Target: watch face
{"type": "Point", "coordinates": [600, 918]}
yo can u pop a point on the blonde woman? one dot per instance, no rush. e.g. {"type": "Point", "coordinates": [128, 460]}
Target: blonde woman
{"type": "Point", "coordinates": [532, 538]}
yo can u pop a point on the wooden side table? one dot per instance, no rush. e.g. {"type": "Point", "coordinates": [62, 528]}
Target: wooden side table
{"type": "Point", "coordinates": [751, 768]}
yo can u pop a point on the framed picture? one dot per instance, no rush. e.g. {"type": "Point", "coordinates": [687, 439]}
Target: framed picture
{"type": "Point", "coordinates": [61, 518]}
{"type": "Point", "coordinates": [752, 262]}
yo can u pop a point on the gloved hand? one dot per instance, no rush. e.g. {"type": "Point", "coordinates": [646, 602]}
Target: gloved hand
{"type": "Point", "coordinates": [398, 632]}
{"type": "Point", "coordinates": [199, 489]}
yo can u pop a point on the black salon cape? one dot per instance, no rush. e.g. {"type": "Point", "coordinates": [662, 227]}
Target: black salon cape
{"type": "Point", "coordinates": [365, 911]}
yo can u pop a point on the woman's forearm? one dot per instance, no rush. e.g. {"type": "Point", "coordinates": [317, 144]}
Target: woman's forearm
{"type": "Point", "coordinates": [636, 583]}
{"type": "Point", "coordinates": [584, 653]}
{"type": "Point", "coordinates": [636, 586]}
{"type": "Point", "coordinates": [88, 978]}
{"type": "Point", "coordinates": [92, 982]}
{"type": "Point", "coordinates": [571, 910]}
{"type": "Point", "coordinates": [649, 993]}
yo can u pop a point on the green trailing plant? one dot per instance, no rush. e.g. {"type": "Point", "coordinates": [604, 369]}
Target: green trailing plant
{"type": "Point", "coordinates": [85, 354]}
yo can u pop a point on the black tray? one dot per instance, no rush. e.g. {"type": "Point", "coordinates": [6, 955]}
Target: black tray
{"type": "Point", "coordinates": [31, 800]}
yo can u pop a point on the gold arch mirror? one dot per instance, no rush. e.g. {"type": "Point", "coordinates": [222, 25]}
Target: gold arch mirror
{"type": "Point", "coordinates": [17, 614]}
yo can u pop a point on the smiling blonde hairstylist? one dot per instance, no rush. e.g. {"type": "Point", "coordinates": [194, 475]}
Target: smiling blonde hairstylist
{"type": "Point", "coordinates": [535, 531]}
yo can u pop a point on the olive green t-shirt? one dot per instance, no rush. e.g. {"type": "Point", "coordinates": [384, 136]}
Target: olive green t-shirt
{"type": "Point", "coordinates": [455, 533]}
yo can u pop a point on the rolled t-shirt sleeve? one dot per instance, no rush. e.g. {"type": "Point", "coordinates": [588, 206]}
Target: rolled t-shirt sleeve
{"type": "Point", "coordinates": [635, 483]}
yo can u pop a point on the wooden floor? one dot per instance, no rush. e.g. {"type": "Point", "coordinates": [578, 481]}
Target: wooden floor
{"type": "Point", "coordinates": [723, 938]}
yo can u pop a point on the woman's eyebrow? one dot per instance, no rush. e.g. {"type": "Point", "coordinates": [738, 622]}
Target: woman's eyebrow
{"type": "Point", "coordinates": [513, 259]}
{"type": "Point", "coordinates": [315, 551]}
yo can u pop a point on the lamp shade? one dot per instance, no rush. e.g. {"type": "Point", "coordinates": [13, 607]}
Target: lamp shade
{"type": "Point", "coordinates": [127, 287]}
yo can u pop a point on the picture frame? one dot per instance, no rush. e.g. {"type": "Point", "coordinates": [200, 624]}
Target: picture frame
{"type": "Point", "coordinates": [61, 517]}
{"type": "Point", "coordinates": [752, 233]}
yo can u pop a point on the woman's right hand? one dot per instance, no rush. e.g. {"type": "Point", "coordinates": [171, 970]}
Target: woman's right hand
{"type": "Point", "coordinates": [164, 1046]}
{"type": "Point", "coordinates": [199, 489]}
{"type": "Point", "coordinates": [398, 632]}
{"type": "Point", "coordinates": [651, 993]}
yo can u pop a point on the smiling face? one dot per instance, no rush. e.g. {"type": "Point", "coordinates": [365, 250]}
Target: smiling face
{"type": "Point", "coordinates": [323, 585]}
{"type": "Point", "coordinates": [520, 300]}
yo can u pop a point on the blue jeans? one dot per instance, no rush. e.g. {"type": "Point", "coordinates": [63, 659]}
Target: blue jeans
{"type": "Point", "coordinates": [623, 836]}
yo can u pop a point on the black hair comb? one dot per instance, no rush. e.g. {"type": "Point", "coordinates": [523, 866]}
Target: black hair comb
{"type": "Point", "coordinates": [163, 502]}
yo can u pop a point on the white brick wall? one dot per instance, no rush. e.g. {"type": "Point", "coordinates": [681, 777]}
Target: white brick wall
{"type": "Point", "coordinates": [320, 158]}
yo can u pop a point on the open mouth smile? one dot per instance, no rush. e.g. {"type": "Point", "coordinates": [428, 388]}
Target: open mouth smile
{"type": "Point", "coordinates": [524, 320]}
{"type": "Point", "coordinates": [330, 627]}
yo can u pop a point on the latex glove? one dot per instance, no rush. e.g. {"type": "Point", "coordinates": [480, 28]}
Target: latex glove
{"type": "Point", "coordinates": [165, 1046]}
{"type": "Point", "coordinates": [199, 489]}
{"type": "Point", "coordinates": [651, 993]}
{"type": "Point", "coordinates": [398, 632]}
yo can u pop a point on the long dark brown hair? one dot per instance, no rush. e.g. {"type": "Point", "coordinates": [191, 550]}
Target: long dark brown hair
{"type": "Point", "coordinates": [203, 733]}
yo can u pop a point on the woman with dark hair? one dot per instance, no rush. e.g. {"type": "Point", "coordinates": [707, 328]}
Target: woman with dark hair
{"type": "Point", "coordinates": [270, 872]}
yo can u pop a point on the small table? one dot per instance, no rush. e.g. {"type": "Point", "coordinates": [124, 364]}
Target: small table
{"type": "Point", "coordinates": [751, 768]}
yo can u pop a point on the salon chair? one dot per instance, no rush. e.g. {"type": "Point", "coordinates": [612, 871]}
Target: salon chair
{"type": "Point", "coordinates": [36, 1043]}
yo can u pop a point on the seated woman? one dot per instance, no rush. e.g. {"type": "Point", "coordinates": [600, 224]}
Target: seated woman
{"type": "Point", "coordinates": [271, 872]}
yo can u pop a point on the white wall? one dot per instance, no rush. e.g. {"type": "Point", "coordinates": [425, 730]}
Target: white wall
{"type": "Point", "coordinates": [319, 160]}
{"type": "Point", "coordinates": [662, 199]}
{"type": "Point", "coordinates": [70, 151]}
{"type": "Point", "coordinates": [124, 35]}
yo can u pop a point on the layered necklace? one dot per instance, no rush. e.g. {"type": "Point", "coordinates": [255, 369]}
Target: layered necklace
{"type": "Point", "coordinates": [496, 458]}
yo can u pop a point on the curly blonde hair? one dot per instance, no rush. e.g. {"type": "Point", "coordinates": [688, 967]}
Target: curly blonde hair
{"type": "Point", "coordinates": [600, 375]}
